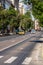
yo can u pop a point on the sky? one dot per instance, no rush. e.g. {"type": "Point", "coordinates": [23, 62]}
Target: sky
{"type": "Point", "coordinates": [20, 0]}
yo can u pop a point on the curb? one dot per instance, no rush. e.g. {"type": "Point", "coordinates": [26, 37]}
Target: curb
{"type": "Point", "coordinates": [10, 34]}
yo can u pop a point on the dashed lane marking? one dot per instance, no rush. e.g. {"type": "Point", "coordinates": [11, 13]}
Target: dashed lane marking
{"type": "Point", "coordinates": [1, 56]}
{"type": "Point", "coordinates": [21, 48]}
{"type": "Point", "coordinates": [10, 60]}
{"type": "Point", "coordinates": [41, 39]}
{"type": "Point", "coordinates": [27, 61]}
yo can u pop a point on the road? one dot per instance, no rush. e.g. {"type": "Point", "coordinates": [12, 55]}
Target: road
{"type": "Point", "coordinates": [26, 52]}
{"type": "Point", "coordinates": [8, 37]}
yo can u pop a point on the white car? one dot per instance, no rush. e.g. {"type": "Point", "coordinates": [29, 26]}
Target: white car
{"type": "Point", "coordinates": [33, 31]}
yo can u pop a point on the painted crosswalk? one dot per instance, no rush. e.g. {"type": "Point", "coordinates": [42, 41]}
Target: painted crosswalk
{"type": "Point", "coordinates": [10, 60]}
{"type": "Point", "coordinates": [27, 61]}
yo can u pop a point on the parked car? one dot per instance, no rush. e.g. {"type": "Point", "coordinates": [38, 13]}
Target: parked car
{"type": "Point", "coordinates": [33, 31]}
{"type": "Point", "coordinates": [17, 31]}
{"type": "Point", "coordinates": [21, 32]}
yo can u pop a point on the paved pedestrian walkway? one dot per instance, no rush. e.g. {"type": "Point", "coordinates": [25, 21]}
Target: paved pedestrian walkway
{"type": "Point", "coordinates": [41, 51]}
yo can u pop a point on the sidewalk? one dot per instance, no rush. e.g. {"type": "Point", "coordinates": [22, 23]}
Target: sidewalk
{"type": "Point", "coordinates": [41, 51]}
{"type": "Point", "coordinates": [37, 58]}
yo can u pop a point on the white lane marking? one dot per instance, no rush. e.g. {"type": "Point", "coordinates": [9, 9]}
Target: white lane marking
{"type": "Point", "coordinates": [27, 60]}
{"type": "Point", "coordinates": [10, 60]}
{"type": "Point", "coordinates": [41, 39]}
{"type": "Point", "coordinates": [12, 41]}
{"type": "Point", "coordinates": [21, 48]}
{"type": "Point", "coordinates": [1, 56]}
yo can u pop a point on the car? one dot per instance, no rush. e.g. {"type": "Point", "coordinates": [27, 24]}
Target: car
{"type": "Point", "coordinates": [33, 31]}
{"type": "Point", "coordinates": [21, 32]}
{"type": "Point", "coordinates": [17, 31]}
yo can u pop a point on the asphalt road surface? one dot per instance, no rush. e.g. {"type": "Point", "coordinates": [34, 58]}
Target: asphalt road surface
{"type": "Point", "coordinates": [25, 53]}
{"type": "Point", "coordinates": [3, 38]}
{"type": "Point", "coordinates": [8, 37]}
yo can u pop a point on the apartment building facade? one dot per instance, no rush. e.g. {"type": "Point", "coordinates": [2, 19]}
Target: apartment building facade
{"type": "Point", "coordinates": [7, 3]}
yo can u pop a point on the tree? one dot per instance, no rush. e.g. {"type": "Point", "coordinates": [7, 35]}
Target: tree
{"type": "Point", "coordinates": [1, 9]}
{"type": "Point", "coordinates": [38, 10]}
{"type": "Point", "coordinates": [12, 17]}
{"type": "Point", "coordinates": [26, 21]}
{"type": "Point", "coordinates": [8, 16]}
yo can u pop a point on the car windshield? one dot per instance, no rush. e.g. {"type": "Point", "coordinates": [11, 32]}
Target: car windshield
{"type": "Point", "coordinates": [33, 30]}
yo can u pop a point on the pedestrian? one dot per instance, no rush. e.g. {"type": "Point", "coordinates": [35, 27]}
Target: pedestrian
{"type": "Point", "coordinates": [8, 28]}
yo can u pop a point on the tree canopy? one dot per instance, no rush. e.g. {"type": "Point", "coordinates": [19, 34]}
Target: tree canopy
{"type": "Point", "coordinates": [37, 8]}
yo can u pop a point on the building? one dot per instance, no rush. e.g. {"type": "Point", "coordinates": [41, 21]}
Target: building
{"type": "Point", "coordinates": [7, 3]}
{"type": "Point", "coordinates": [2, 2]}
{"type": "Point", "coordinates": [21, 8]}
{"type": "Point", "coordinates": [37, 27]}
{"type": "Point", "coordinates": [24, 8]}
